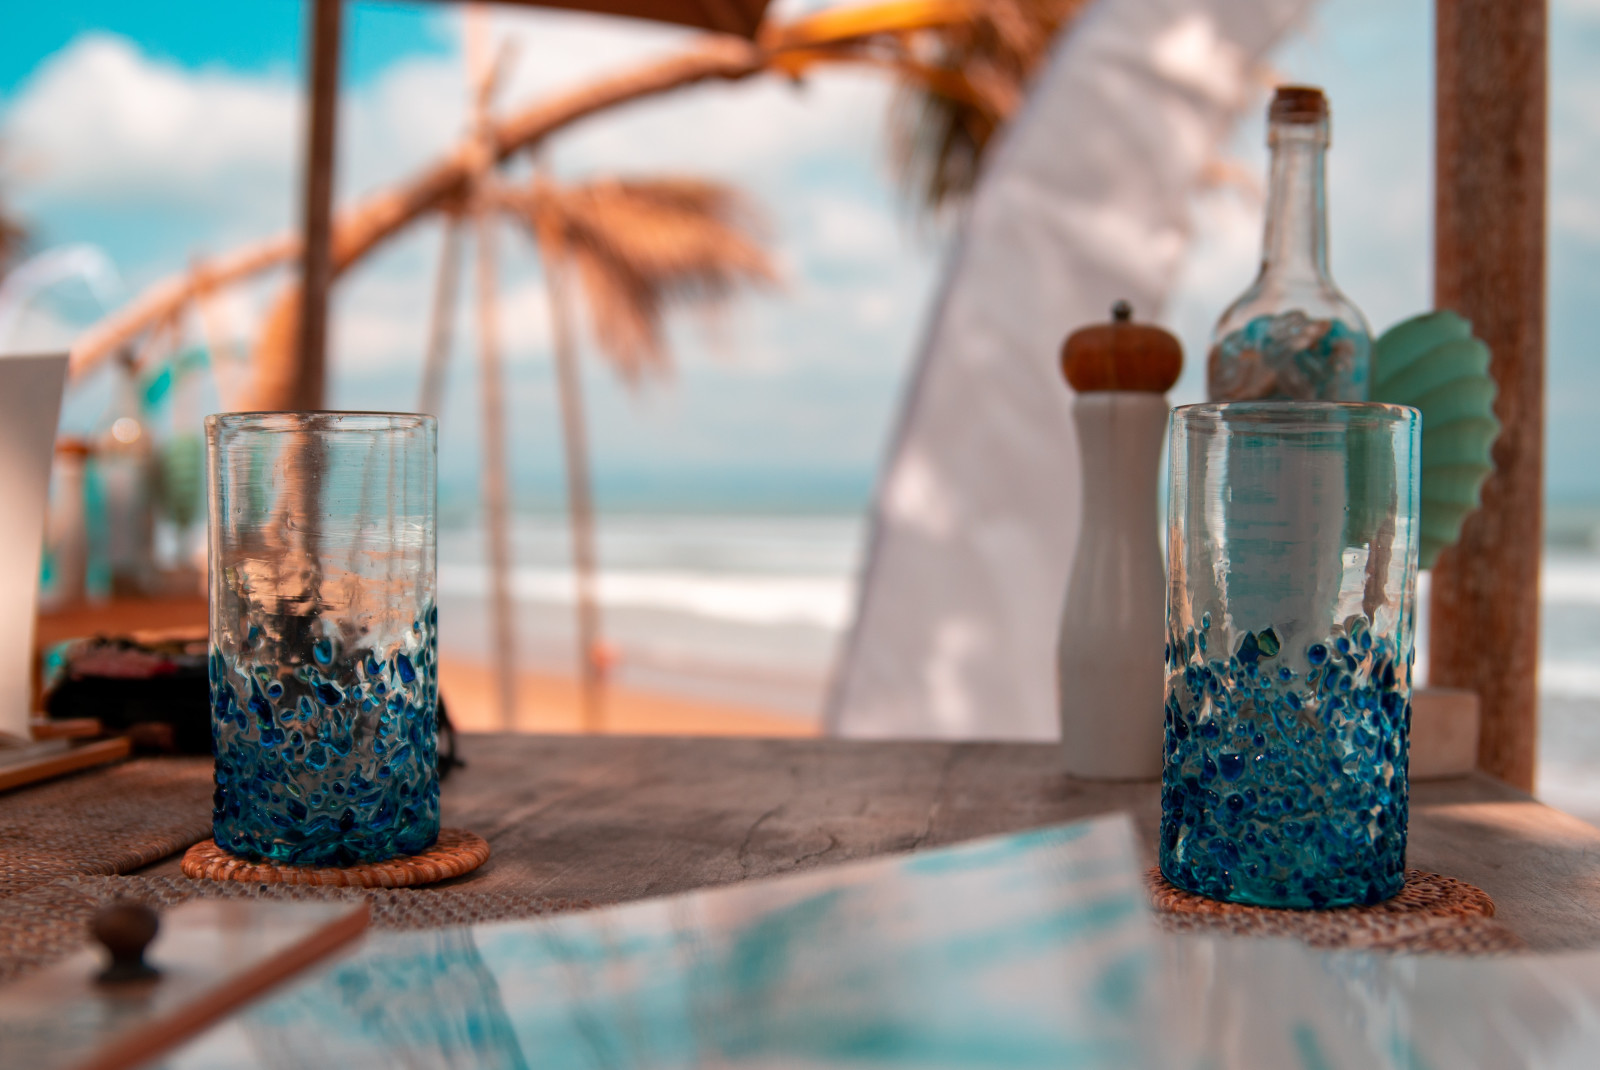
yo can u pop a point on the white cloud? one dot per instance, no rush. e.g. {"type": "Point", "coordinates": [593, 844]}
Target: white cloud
{"type": "Point", "coordinates": [409, 115]}
{"type": "Point", "coordinates": [850, 229]}
{"type": "Point", "coordinates": [757, 130]}
{"type": "Point", "coordinates": [103, 124]}
{"type": "Point", "coordinates": [1576, 215]}
{"type": "Point", "coordinates": [875, 308]}
{"type": "Point", "coordinates": [383, 310]}
{"type": "Point", "coordinates": [525, 317]}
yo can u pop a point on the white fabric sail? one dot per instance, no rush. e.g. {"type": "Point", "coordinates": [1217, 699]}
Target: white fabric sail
{"type": "Point", "coordinates": [1086, 201]}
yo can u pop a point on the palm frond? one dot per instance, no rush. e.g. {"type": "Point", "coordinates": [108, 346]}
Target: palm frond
{"type": "Point", "coordinates": [640, 246]}
{"type": "Point", "coordinates": [960, 83]}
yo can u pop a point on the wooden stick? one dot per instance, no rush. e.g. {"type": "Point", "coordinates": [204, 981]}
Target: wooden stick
{"type": "Point", "coordinates": [316, 270]}
{"type": "Point", "coordinates": [1489, 256]}
{"type": "Point", "coordinates": [166, 298]}
{"type": "Point", "coordinates": [491, 390]}
{"type": "Point", "coordinates": [61, 763]}
{"type": "Point", "coordinates": [443, 322]}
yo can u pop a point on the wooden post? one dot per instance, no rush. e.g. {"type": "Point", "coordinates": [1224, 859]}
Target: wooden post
{"type": "Point", "coordinates": [316, 271]}
{"type": "Point", "coordinates": [580, 502]}
{"type": "Point", "coordinates": [1489, 264]}
{"type": "Point", "coordinates": [443, 321]}
{"type": "Point", "coordinates": [496, 514]}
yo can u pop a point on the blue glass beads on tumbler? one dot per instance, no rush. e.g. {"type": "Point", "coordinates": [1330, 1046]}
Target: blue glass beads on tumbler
{"type": "Point", "coordinates": [1286, 786]}
{"type": "Point", "coordinates": [1292, 585]}
{"type": "Point", "coordinates": [324, 634]}
{"type": "Point", "coordinates": [329, 760]}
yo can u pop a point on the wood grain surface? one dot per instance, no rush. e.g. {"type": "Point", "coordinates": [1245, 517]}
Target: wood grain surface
{"type": "Point", "coordinates": [609, 818]}
{"type": "Point", "coordinates": [1489, 264]}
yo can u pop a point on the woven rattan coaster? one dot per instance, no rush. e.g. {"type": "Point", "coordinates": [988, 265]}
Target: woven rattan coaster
{"type": "Point", "coordinates": [1431, 913]}
{"type": "Point", "coordinates": [457, 851]}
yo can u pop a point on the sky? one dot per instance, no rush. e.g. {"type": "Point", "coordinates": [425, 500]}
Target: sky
{"type": "Point", "coordinates": [162, 131]}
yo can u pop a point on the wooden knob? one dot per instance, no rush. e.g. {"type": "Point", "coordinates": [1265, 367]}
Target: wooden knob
{"type": "Point", "coordinates": [1121, 355]}
{"type": "Point", "coordinates": [125, 929]}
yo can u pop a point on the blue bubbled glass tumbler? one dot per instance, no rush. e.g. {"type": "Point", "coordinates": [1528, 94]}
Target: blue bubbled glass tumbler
{"type": "Point", "coordinates": [323, 635]}
{"type": "Point", "coordinates": [1291, 594]}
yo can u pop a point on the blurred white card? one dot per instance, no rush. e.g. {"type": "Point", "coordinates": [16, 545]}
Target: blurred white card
{"type": "Point", "coordinates": [30, 405]}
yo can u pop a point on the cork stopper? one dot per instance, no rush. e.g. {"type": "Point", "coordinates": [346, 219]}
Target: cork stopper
{"type": "Point", "coordinates": [1298, 104]}
{"type": "Point", "coordinates": [1121, 355]}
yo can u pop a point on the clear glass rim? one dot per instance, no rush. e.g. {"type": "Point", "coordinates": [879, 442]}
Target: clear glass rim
{"type": "Point", "coordinates": [320, 420]}
{"type": "Point", "coordinates": [1292, 416]}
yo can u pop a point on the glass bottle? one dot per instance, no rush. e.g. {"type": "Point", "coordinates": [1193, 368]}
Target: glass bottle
{"type": "Point", "coordinates": [123, 457]}
{"type": "Point", "coordinates": [67, 527]}
{"type": "Point", "coordinates": [1292, 335]}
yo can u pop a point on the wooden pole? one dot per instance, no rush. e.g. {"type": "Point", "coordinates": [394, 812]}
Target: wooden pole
{"type": "Point", "coordinates": [443, 320]}
{"type": "Point", "coordinates": [481, 75]}
{"type": "Point", "coordinates": [491, 389]}
{"type": "Point", "coordinates": [580, 504]}
{"type": "Point", "coordinates": [1489, 264]}
{"type": "Point", "coordinates": [316, 271]}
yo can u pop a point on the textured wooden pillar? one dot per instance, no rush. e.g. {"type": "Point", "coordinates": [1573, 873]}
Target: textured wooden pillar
{"type": "Point", "coordinates": [1489, 265]}
{"type": "Point", "coordinates": [316, 270]}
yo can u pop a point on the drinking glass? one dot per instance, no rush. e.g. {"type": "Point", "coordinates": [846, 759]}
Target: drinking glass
{"type": "Point", "coordinates": [323, 635]}
{"type": "Point", "coordinates": [1292, 563]}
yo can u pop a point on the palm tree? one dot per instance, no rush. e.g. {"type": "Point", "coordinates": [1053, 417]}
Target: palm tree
{"type": "Point", "coordinates": [963, 63]}
{"type": "Point", "coordinates": [637, 248]}
{"type": "Point", "coordinates": [953, 103]}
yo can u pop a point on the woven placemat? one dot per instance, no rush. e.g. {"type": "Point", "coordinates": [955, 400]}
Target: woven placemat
{"type": "Point", "coordinates": [1431, 913]}
{"type": "Point", "coordinates": [103, 821]}
{"type": "Point", "coordinates": [456, 852]}
{"type": "Point", "coordinates": [51, 920]}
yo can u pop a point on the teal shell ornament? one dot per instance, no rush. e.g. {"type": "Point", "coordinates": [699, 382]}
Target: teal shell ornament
{"type": "Point", "coordinates": [1433, 363]}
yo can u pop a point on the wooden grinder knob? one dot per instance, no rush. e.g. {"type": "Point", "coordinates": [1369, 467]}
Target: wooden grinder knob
{"type": "Point", "coordinates": [125, 929]}
{"type": "Point", "coordinates": [1121, 355]}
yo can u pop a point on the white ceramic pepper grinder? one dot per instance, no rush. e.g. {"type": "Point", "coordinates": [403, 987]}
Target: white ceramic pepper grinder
{"type": "Point", "coordinates": [1109, 658]}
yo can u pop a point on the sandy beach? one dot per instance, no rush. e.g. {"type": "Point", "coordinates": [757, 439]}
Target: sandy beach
{"type": "Point", "coordinates": [549, 703]}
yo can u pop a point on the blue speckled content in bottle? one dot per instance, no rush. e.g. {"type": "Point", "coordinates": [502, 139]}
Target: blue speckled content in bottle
{"type": "Point", "coordinates": [1292, 579]}
{"type": "Point", "coordinates": [324, 635]}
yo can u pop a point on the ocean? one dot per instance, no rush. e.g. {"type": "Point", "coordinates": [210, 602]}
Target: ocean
{"type": "Point", "coordinates": [730, 607]}
{"type": "Point", "coordinates": [750, 609]}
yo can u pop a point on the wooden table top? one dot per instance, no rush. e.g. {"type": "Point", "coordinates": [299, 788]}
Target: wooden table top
{"type": "Point", "coordinates": [610, 819]}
